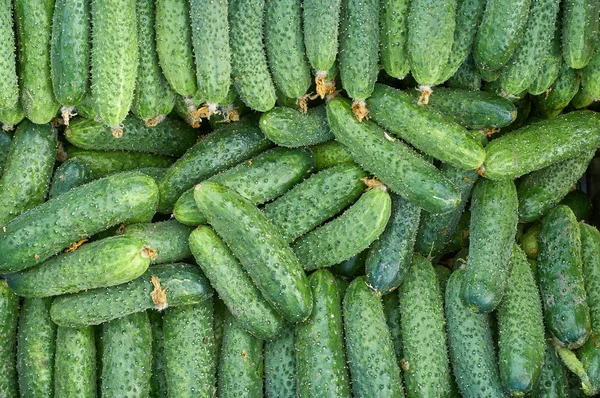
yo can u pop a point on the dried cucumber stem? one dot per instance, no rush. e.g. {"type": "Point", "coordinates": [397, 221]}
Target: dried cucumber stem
{"type": "Point", "coordinates": [159, 295]}
{"type": "Point", "coordinates": [324, 86]}
{"type": "Point", "coordinates": [360, 110]}
{"type": "Point", "coordinates": [372, 183]}
{"type": "Point", "coordinates": [117, 131]}
{"type": "Point", "coordinates": [303, 102]}
{"type": "Point", "coordinates": [8, 127]}
{"type": "Point", "coordinates": [67, 112]}
{"type": "Point", "coordinates": [148, 252]}
{"type": "Point", "coordinates": [192, 113]}
{"type": "Point", "coordinates": [425, 93]}
{"type": "Point", "coordinates": [153, 121]}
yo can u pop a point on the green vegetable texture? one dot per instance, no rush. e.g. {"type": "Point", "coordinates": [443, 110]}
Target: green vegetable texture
{"type": "Point", "coordinates": [75, 362]}
{"type": "Point", "coordinates": [393, 37]}
{"type": "Point", "coordinates": [9, 314]}
{"type": "Point", "coordinates": [280, 364]}
{"type": "Point", "coordinates": [563, 90]}
{"type": "Point", "coordinates": [321, 19]}
{"type": "Point", "coordinates": [579, 31]}
{"type": "Point", "coordinates": [68, 175]}
{"type": "Point", "coordinates": [291, 128]}
{"type": "Point", "coordinates": [168, 239]}
{"type": "Point", "coordinates": [9, 85]}
{"type": "Point", "coordinates": [104, 163]}
{"type": "Point", "coordinates": [550, 66]}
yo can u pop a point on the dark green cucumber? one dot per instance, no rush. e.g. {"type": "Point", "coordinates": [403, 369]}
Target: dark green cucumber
{"type": "Point", "coordinates": [353, 267]}
{"type": "Point", "coordinates": [86, 107]}
{"type": "Point", "coordinates": [529, 241]}
{"type": "Point", "coordinates": [5, 143]}
{"type": "Point", "coordinates": [168, 239]}
{"type": "Point", "coordinates": [190, 355]}
{"type": "Point", "coordinates": [220, 312]}
{"type": "Point", "coordinates": [291, 128]}
{"type": "Point", "coordinates": [562, 91]}
{"type": "Point", "coordinates": [582, 99]}
{"type": "Point", "coordinates": [567, 314]}
{"type": "Point", "coordinates": [543, 189]}
{"type": "Point", "coordinates": [394, 163]}
{"type": "Point", "coordinates": [280, 365]}
{"type": "Point", "coordinates": [430, 131]}
{"type": "Point", "coordinates": [442, 274]}
{"type": "Point", "coordinates": [75, 363]}
{"type": "Point", "coordinates": [320, 360]}
{"type": "Point", "coordinates": [156, 173]}
{"type": "Point", "coordinates": [321, 21]}
{"type": "Point", "coordinates": [9, 314]}
{"type": "Point", "coordinates": [550, 66]}
{"type": "Point", "coordinates": [9, 85]}
{"type": "Point", "coordinates": [233, 285]}
{"type": "Point", "coordinates": [260, 247]}
{"type": "Point", "coordinates": [28, 170]}
{"type": "Point", "coordinates": [489, 76]}
{"type": "Point", "coordinates": [184, 284]}
{"type": "Point", "coordinates": [393, 37]}
{"type": "Point", "coordinates": [104, 163]}
{"type": "Point", "coordinates": [553, 379]}
{"type": "Point", "coordinates": [390, 256]}
{"type": "Point", "coordinates": [466, 77]}
{"type": "Point", "coordinates": [374, 370]}
{"type": "Point", "coordinates": [391, 305]}
{"type": "Point", "coordinates": [10, 117]}
{"type": "Point", "coordinates": [329, 154]}
{"type": "Point", "coordinates": [541, 144]}
{"type": "Point", "coordinates": [69, 175]}
{"type": "Point", "coordinates": [579, 31]}
{"type": "Point", "coordinates": [589, 91]}
{"type": "Point", "coordinates": [215, 152]}
{"type": "Point", "coordinates": [36, 346]}
{"type": "Point", "coordinates": [580, 204]}
{"type": "Point", "coordinates": [158, 379]}
{"type": "Point", "coordinates": [127, 356]}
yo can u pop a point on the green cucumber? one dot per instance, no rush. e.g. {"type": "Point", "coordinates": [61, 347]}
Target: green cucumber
{"type": "Point", "coordinates": [442, 274]}
{"type": "Point", "coordinates": [553, 379]}
{"type": "Point", "coordinates": [69, 175]}
{"type": "Point", "coordinates": [158, 379]}
{"type": "Point", "coordinates": [589, 92]}
{"type": "Point", "coordinates": [567, 314]}
{"type": "Point", "coordinates": [260, 247]}
{"type": "Point", "coordinates": [219, 314]}
{"type": "Point", "coordinates": [291, 128]}
{"type": "Point", "coordinates": [529, 241]}
{"type": "Point", "coordinates": [582, 99]}
{"type": "Point", "coordinates": [580, 203]}
{"type": "Point", "coordinates": [430, 131]}
{"type": "Point", "coordinates": [393, 37]}
{"type": "Point", "coordinates": [127, 356]}
{"type": "Point", "coordinates": [75, 362]}
{"type": "Point", "coordinates": [280, 365]}
{"type": "Point", "coordinates": [329, 154]}
{"type": "Point", "coordinates": [233, 285]}
{"type": "Point", "coordinates": [489, 76]}
{"type": "Point", "coordinates": [374, 370]}
{"type": "Point", "coordinates": [86, 107]}
{"type": "Point", "coordinates": [394, 163]}
{"type": "Point", "coordinates": [9, 314]}
{"type": "Point", "coordinates": [9, 85]}
{"type": "Point", "coordinates": [190, 355]}
{"type": "Point", "coordinates": [353, 267]}
{"type": "Point", "coordinates": [391, 303]}
{"type": "Point", "coordinates": [466, 77]}
{"type": "Point", "coordinates": [562, 91]}
{"type": "Point", "coordinates": [169, 240]}
{"type": "Point", "coordinates": [215, 152]}
{"type": "Point", "coordinates": [5, 143]}
{"type": "Point", "coordinates": [104, 163]}
{"type": "Point", "coordinates": [579, 31]}
{"type": "Point", "coordinates": [550, 66]}
{"type": "Point", "coordinates": [390, 256]}
{"type": "Point", "coordinates": [578, 378]}
{"type": "Point", "coordinates": [321, 21]}
{"type": "Point", "coordinates": [320, 360]}
{"type": "Point", "coordinates": [541, 144]}
{"type": "Point", "coordinates": [28, 170]}
{"type": "Point", "coordinates": [156, 173]}
{"type": "Point", "coordinates": [543, 189]}
{"type": "Point", "coordinates": [36, 346]}
{"type": "Point", "coordinates": [10, 117]}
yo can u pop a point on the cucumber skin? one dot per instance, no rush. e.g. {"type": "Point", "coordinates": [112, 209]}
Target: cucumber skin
{"type": "Point", "coordinates": [393, 37]}
{"type": "Point", "coordinates": [538, 145]}
{"type": "Point", "coordinates": [280, 365]}
{"type": "Point", "coordinates": [190, 354]}
{"type": "Point", "coordinates": [185, 283]}
{"type": "Point", "coordinates": [158, 379]}
{"type": "Point", "coordinates": [321, 21]}
{"type": "Point", "coordinates": [127, 356]}
{"type": "Point", "coordinates": [291, 128]}
{"type": "Point", "coordinates": [369, 346]}
{"type": "Point", "coordinates": [359, 47]}
{"type": "Point", "coordinates": [348, 234]}
{"type": "Point", "coordinates": [10, 117]}
{"type": "Point", "coordinates": [104, 163]}
{"type": "Point", "coordinates": [33, 149]}
{"type": "Point", "coordinates": [466, 77]}
{"type": "Point", "coordinates": [36, 346]}
{"type": "Point", "coordinates": [249, 68]}
{"type": "Point", "coordinates": [567, 315]}
{"type": "Point", "coordinates": [563, 90]}
{"type": "Point", "coordinates": [329, 154]}
{"type": "Point", "coordinates": [9, 314]}
{"type": "Point", "coordinates": [233, 285]}
{"type": "Point", "coordinates": [391, 303]}
{"type": "Point", "coordinates": [432, 22]}
{"type": "Point", "coordinates": [553, 379]}
{"type": "Point", "coordinates": [320, 360]}
{"type": "Point", "coordinates": [5, 143]}
{"type": "Point", "coordinates": [394, 163]}
{"type": "Point", "coordinates": [351, 268]}
{"type": "Point", "coordinates": [579, 31]}
{"type": "Point", "coordinates": [168, 238]}
{"type": "Point", "coordinates": [590, 81]}
{"type": "Point", "coordinates": [69, 175]}
{"type": "Point", "coordinates": [424, 128]}
{"type": "Point", "coordinates": [550, 67]}
{"type": "Point", "coordinates": [75, 362]}
{"type": "Point", "coordinates": [490, 244]}
{"type": "Point", "coordinates": [70, 51]}
{"type": "Point", "coordinates": [391, 254]}
{"type": "Point", "coordinates": [9, 86]}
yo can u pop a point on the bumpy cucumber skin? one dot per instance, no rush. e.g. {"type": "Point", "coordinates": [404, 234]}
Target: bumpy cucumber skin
{"type": "Point", "coordinates": [233, 285]}
{"type": "Point", "coordinates": [543, 189]}
{"type": "Point", "coordinates": [359, 47]}
{"type": "Point", "coordinates": [550, 66]}
{"type": "Point", "coordinates": [590, 82]}
{"type": "Point", "coordinates": [390, 256]}
{"type": "Point", "coordinates": [36, 346]}
{"type": "Point", "coordinates": [393, 37]}
{"type": "Point", "coordinates": [529, 241]}
{"type": "Point", "coordinates": [168, 238]}
{"type": "Point", "coordinates": [210, 37]}
{"type": "Point", "coordinates": [291, 128]}
{"type": "Point", "coordinates": [68, 175]}
{"type": "Point", "coordinates": [347, 235]}
{"type": "Point", "coordinates": [216, 152]}
{"type": "Point", "coordinates": [185, 284]}
{"type": "Point", "coordinates": [423, 127]}
{"type": "Point", "coordinates": [391, 304]}
{"type": "Point", "coordinates": [280, 365]}
{"type": "Point", "coordinates": [5, 142]}
{"type": "Point", "coordinates": [564, 88]}
{"type": "Point", "coordinates": [394, 163]}
{"type": "Point", "coordinates": [28, 170]}
{"type": "Point", "coordinates": [158, 379]}
{"type": "Point", "coordinates": [329, 154]}
{"type": "Point", "coordinates": [579, 31]}
{"type": "Point", "coordinates": [490, 243]}
{"type": "Point", "coordinates": [9, 313]}
{"type": "Point", "coordinates": [320, 360]}
{"type": "Point", "coordinates": [10, 117]}
{"type": "Point", "coordinates": [423, 333]}
{"type": "Point", "coordinates": [431, 25]}
{"type": "Point", "coordinates": [321, 23]}
{"type": "Point", "coordinates": [373, 367]}
{"type": "Point", "coordinates": [114, 58]}
{"type": "Point", "coordinates": [259, 246]}
{"type": "Point", "coordinates": [75, 363]}
{"type": "Point", "coordinates": [553, 379]}
{"type": "Point", "coordinates": [538, 145]}
{"type": "Point", "coordinates": [70, 51]}
{"type": "Point", "coordinates": [353, 267]}
{"type": "Point", "coordinates": [489, 76]}
{"type": "Point", "coordinates": [104, 163]}
{"type": "Point", "coordinates": [249, 68]}
{"type": "Point", "coordinates": [560, 274]}
{"type": "Point", "coordinates": [466, 77]}
{"type": "Point", "coordinates": [190, 355]}
{"type": "Point", "coordinates": [9, 85]}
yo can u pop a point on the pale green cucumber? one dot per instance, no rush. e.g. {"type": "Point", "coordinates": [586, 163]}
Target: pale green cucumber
{"type": "Point", "coordinates": [393, 37]}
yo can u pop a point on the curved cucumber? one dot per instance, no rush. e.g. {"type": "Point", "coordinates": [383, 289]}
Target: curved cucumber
{"type": "Point", "coordinates": [579, 31]}
{"type": "Point", "coordinates": [75, 363]}
{"type": "Point", "coordinates": [321, 21]}
{"type": "Point", "coordinates": [9, 314]}
{"type": "Point", "coordinates": [291, 128]}
{"type": "Point", "coordinates": [550, 65]}
{"type": "Point", "coordinates": [9, 85]}
{"type": "Point", "coordinates": [329, 154]}
{"type": "Point", "coordinates": [280, 365]}
{"type": "Point", "coordinates": [158, 379]}
{"type": "Point", "coordinates": [103, 163]}
{"type": "Point", "coordinates": [562, 91]}
{"type": "Point", "coordinates": [553, 379]}
{"type": "Point", "coordinates": [466, 77]}
{"type": "Point", "coordinates": [393, 37]}
{"type": "Point", "coordinates": [69, 175]}
{"type": "Point", "coordinates": [168, 239]}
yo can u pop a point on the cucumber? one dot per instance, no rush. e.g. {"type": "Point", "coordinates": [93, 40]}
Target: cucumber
{"type": "Point", "coordinates": [423, 333]}
{"type": "Point", "coordinates": [69, 175]}
{"type": "Point", "coordinates": [259, 246]}
{"type": "Point", "coordinates": [249, 67]}
{"type": "Point", "coordinates": [589, 91]}
{"type": "Point", "coordinates": [168, 239]}
{"type": "Point", "coordinates": [502, 26]}
{"type": "Point", "coordinates": [582, 99]}
{"type": "Point", "coordinates": [543, 189]}
{"type": "Point", "coordinates": [291, 128]}
{"type": "Point", "coordinates": [489, 76]}
{"type": "Point", "coordinates": [374, 370]}
{"type": "Point", "coordinates": [321, 21]}
{"type": "Point", "coordinates": [158, 379]}
{"type": "Point", "coordinates": [233, 285]}
{"type": "Point", "coordinates": [10, 117]}
{"type": "Point", "coordinates": [442, 274]}
{"type": "Point", "coordinates": [215, 152]}
{"type": "Point", "coordinates": [75, 362]}
{"type": "Point", "coordinates": [28, 170]}
{"type": "Point", "coordinates": [466, 77]}
{"type": "Point", "coordinates": [241, 368]}
{"type": "Point", "coordinates": [190, 355]}
{"type": "Point", "coordinates": [553, 379]}
{"type": "Point", "coordinates": [5, 142]}
{"type": "Point", "coordinates": [156, 173]}
{"type": "Point", "coordinates": [9, 313]}
{"type": "Point", "coordinates": [260, 180]}
{"type": "Point", "coordinates": [36, 346]}
{"type": "Point", "coordinates": [562, 91]}
{"type": "Point", "coordinates": [104, 163]}
{"type": "Point", "coordinates": [393, 37]}
{"type": "Point", "coordinates": [426, 129]}
{"type": "Point", "coordinates": [579, 31]}
{"type": "Point", "coordinates": [342, 284]}
{"type": "Point", "coordinates": [86, 107]}
{"type": "Point", "coordinates": [353, 267]}
{"type": "Point", "coordinates": [329, 154]}
{"type": "Point", "coordinates": [550, 66]}
{"type": "Point", "coordinates": [541, 144]}
{"type": "Point", "coordinates": [391, 305]}
{"type": "Point", "coordinates": [580, 203]}
{"type": "Point", "coordinates": [280, 365]}
{"type": "Point", "coordinates": [529, 241]}
{"type": "Point", "coordinates": [9, 86]}
{"type": "Point", "coordinates": [390, 256]}
{"type": "Point", "coordinates": [320, 360]}
{"type": "Point", "coordinates": [127, 356]}
{"type": "Point", "coordinates": [578, 379]}
{"type": "Point", "coordinates": [566, 312]}
{"type": "Point", "coordinates": [394, 163]}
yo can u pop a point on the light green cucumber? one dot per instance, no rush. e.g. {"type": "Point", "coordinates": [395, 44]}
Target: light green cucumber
{"type": "Point", "coordinates": [9, 85]}
{"type": "Point", "coordinates": [158, 379]}
{"type": "Point", "coordinates": [69, 175]}
{"type": "Point", "coordinates": [280, 365]}
{"type": "Point", "coordinates": [578, 378]}
{"type": "Point", "coordinates": [393, 37]}
{"type": "Point", "coordinates": [321, 21]}
{"type": "Point", "coordinates": [579, 31]}
{"type": "Point", "coordinates": [168, 239]}
{"type": "Point", "coordinates": [529, 241]}
{"type": "Point", "coordinates": [466, 77]}
{"type": "Point", "coordinates": [86, 107]}
{"type": "Point", "coordinates": [550, 66]}
{"type": "Point", "coordinates": [9, 314]}
{"type": "Point", "coordinates": [104, 163]}
{"type": "Point", "coordinates": [75, 362]}
{"type": "Point", "coordinates": [291, 128]}
{"type": "Point", "coordinates": [562, 91]}
{"type": "Point", "coordinates": [10, 117]}
{"type": "Point", "coordinates": [329, 154]}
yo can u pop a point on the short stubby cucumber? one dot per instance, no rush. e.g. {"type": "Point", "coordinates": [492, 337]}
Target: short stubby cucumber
{"type": "Point", "coordinates": [75, 362]}
{"type": "Point", "coordinates": [321, 21]}
{"type": "Point", "coordinates": [9, 85]}
{"type": "Point", "coordinates": [407, 173]}
{"type": "Point", "coordinates": [68, 175]}
{"type": "Point", "coordinates": [579, 31]}
{"type": "Point", "coordinates": [550, 65]}
{"type": "Point", "coordinates": [158, 380]}
{"type": "Point", "coordinates": [9, 314]}
{"type": "Point", "coordinates": [466, 77]}
{"type": "Point", "coordinates": [291, 128]}
{"type": "Point", "coordinates": [393, 37]}
{"type": "Point", "coordinates": [329, 154]}
{"type": "Point", "coordinates": [280, 364]}
{"type": "Point", "coordinates": [168, 239]}
{"type": "Point", "coordinates": [553, 379]}
{"type": "Point", "coordinates": [104, 163]}
{"type": "Point", "coordinates": [563, 90]}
